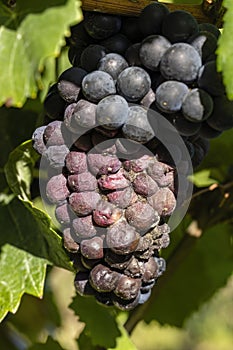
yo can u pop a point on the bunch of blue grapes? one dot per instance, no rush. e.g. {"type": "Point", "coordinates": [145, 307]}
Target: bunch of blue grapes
{"type": "Point", "coordinates": [113, 183]}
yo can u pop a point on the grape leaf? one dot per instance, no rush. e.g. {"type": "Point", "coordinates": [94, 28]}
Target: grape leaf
{"type": "Point", "coordinates": [194, 273]}
{"type": "Point", "coordinates": [20, 273]}
{"type": "Point", "coordinates": [225, 49]}
{"type": "Point", "coordinates": [50, 344]}
{"type": "Point", "coordinates": [202, 178]}
{"type": "Point", "coordinates": [101, 324]}
{"type": "Point", "coordinates": [31, 32]}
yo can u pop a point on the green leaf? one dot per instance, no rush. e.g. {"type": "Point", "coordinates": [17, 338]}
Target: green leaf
{"type": "Point", "coordinates": [202, 178]}
{"type": "Point", "coordinates": [20, 273]}
{"type": "Point", "coordinates": [51, 344]}
{"type": "Point", "coordinates": [28, 228]}
{"type": "Point", "coordinates": [225, 49]}
{"type": "Point", "coordinates": [100, 321]}
{"type": "Point", "coordinates": [19, 169]}
{"type": "Point", "coordinates": [124, 341]}
{"type": "Point", "coordinates": [194, 272]}
{"type": "Point", "coordinates": [30, 33]}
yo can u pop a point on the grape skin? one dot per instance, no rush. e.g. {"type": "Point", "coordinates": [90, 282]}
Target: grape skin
{"type": "Point", "coordinates": [97, 85]}
{"type": "Point", "coordinates": [181, 62]}
{"type": "Point", "coordinates": [133, 83]}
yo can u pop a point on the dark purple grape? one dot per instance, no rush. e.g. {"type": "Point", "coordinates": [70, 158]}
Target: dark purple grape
{"type": "Point", "coordinates": [170, 95]}
{"type": "Point", "coordinates": [197, 105]}
{"type": "Point", "coordinates": [150, 270]}
{"type": "Point", "coordinates": [145, 242]}
{"type": "Point", "coordinates": [103, 164]}
{"type": "Point", "coordinates": [132, 55]}
{"type": "Point", "coordinates": [54, 104]}
{"type": "Point", "coordinates": [69, 83]}
{"type": "Point", "coordinates": [122, 198]}
{"type": "Point", "coordinates": [92, 248]}
{"type": "Point", "coordinates": [63, 214]}
{"type": "Point", "coordinates": [97, 85]}
{"type": "Point", "coordinates": [101, 25]}
{"type": "Point", "coordinates": [79, 116]}
{"type": "Point", "coordinates": [117, 43]}
{"type": "Point", "coordinates": [103, 279]}
{"type": "Point", "coordinates": [76, 162]}
{"type": "Point", "coordinates": [137, 126]}
{"type": "Point", "coordinates": [152, 17]}
{"type": "Point", "coordinates": [82, 284]}
{"type": "Point", "coordinates": [205, 43]}
{"type": "Point", "coordinates": [210, 80]}
{"type": "Point", "coordinates": [83, 227]}
{"type": "Point", "coordinates": [103, 144]}
{"type": "Point", "coordinates": [184, 126]}
{"type": "Point", "coordinates": [134, 268]}
{"type": "Point", "coordinates": [115, 181]}
{"type": "Point", "coordinates": [211, 28]}
{"type": "Point", "coordinates": [163, 201]}
{"type": "Point", "coordinates": [127, 288]}
{"type": "Point", "coordinates": [116, 261]}
{"type": "Point", "coordinates": [112, 64]}
{"type": "Point", "coordinates": [56, 155]}
{"type": "Point", "coordinates": [90, 57]}
{"type": "Point", "coordinates": [152, 50]}
{"type": "Point", "coordinates": [83, 142]}
{"type": "Point", "coordinates": [126, 305]}
{"type": "Point", "coordinates": [38, 140]}
{"type": "Point", "coordinates": [56, 189]}
{"type": "Point", "coordinates": [179, 25]}
{"type": "Point", "coordinates": [122, 238]}
{"type": "Point", "coordinates": [79, 37]}
{"type": "Point", "coordinates": [53, 134]}
{"type": "Point", "coordinates": [222, 117]}
{"type": "Point", "coordinates": [141, 216]}
{"type": "Point", "coordinates": [68, 242]}
{"type": "Point", "coordinates": [82, 182]}
{"type": "Point", "coordinates": [144, 185]}
{"type": "Point", "coordinates": [112, 112]}
{"type": "Point", "coordinates": [106, 213]}
{"type": "Point", "coordinates": [181, 62]}
{"type": "Point", "coordinates": [83, 203]}
{"type": "Point", "coordinates": [133, 83]}
{"type": "Point", "coordinates": [130, 28]}
{"type": "Point", "coordinates": [206, 131]}
{"type": "Point", "coordinates": [139, 164]}
{"type": "Point", "coordinates": [162, 173]}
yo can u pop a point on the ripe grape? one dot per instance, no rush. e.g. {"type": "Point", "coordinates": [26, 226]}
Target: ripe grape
{"type": "Point", "coordinates": [133, 83]}
{"type": "Point", "coordinates": [76, 162]}
{"type": "Point", "coordinates": [181, 62]}
{"type": "Point", "coordinates": [92, 248]}
{"type": "Point", "coordinates": [137, 126]}
{"type": "Point", "coordinates": [169, 95]}
{"type": "Point", "coordinates": [197, 105]}
{"type": "Point", "coordinates": [83, 203]}
{"type": "Point", "coordinates": [56, 189]}
{"type": "Point", "coordinates": [179, 26]}
{"type": "Point", "coordinates": [112, 64]}
{"type": "Point", "coordinates": [84, 227]}
{"type": "Point", "coordinates": [69, 83]}
{"type": "Point", "coordinates": [97, 85]}
{"type": "Point", "coordinates": [141, 216]}
{"type": "Point", "coordinates": [100, 25]}
{"type": "Point", "coordinates": [112, 112]}
{"type": "Point", "coordinates": [152, 50]}
{"type": "Point", "coordinates": [91, 55]}
{"type": "Point", "coordinates": [152, 17]}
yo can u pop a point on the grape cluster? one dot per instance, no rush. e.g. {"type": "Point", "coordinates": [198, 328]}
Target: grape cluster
{"type": "Point", "coordinates": [114, 184]}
